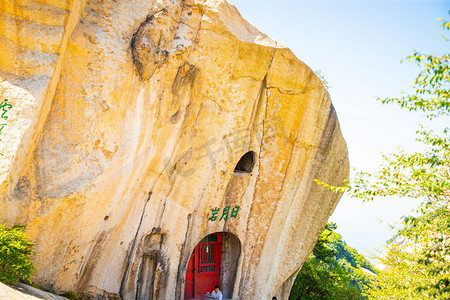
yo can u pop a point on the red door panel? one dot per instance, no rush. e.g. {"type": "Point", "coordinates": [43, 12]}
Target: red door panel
{"type": "Point", "coordinates": [189, 286]}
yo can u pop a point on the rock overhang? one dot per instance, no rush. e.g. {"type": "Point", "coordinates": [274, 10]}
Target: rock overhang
{"type": "Point", "coordinates": [144, 118]}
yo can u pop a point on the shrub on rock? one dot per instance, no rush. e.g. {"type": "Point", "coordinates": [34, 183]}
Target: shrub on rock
{"type": "Point", "coordinates": [15, 254]}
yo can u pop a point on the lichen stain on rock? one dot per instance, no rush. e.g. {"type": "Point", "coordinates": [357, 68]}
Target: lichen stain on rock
{"type": "Point", "coordinates": [88, 267]}
{"type": "Point", "coordinates": [150, 43]}
{"type": "Point", "coordinates": [184, 79]}
{"type": "Point", "coordinates": [22, 190]}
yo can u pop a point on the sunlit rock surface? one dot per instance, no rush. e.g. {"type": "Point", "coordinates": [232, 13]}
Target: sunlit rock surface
{"type": "Point", "coordinates": [126, 121]}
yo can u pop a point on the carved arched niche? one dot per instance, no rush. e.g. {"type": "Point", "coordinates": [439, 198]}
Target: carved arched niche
{"type": "Point", "coordinates": [240, 180]}
{"type": "Point", "coordinates": [213, 261]}
{"type": "Point", "coordinates": [246, 163]}
{"type": "Point", "coordinates": [149, 275]}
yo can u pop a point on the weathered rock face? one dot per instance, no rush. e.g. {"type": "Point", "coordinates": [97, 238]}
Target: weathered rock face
{"type": "Point", "coordinates": [126, 123]}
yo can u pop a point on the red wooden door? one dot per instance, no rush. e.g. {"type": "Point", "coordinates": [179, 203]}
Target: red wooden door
{"type": "Point", "coordinates": [189, 285]}
{"type": "Point", "coordinates": [205, 260]}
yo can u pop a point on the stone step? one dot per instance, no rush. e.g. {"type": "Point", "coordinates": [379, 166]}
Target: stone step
{"type": "Point", "coordinates": [20, 291]}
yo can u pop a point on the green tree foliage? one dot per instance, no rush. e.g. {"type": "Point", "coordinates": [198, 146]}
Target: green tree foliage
{"type": "Point", "coordinates": [419, 269]}
{"type": "Point", "coordinates": [332, 271]}
{"type": "Point", "coordinates": [15, 252]}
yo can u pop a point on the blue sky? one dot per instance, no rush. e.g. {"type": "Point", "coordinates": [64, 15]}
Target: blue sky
{"type": "Point", "coordinates": [358, 46]}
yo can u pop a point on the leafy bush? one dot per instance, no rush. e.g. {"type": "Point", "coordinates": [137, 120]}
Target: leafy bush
{"type": "Point", "coordinates": [15, 252]}
{"type": "Point", "coordinates": [333, 271]}
{"type": "Point", "coordinates": [70, 295]}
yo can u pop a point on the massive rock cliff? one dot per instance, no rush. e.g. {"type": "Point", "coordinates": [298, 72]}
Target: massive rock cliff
{"type": "Point", "coordinates": [124, 122]}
